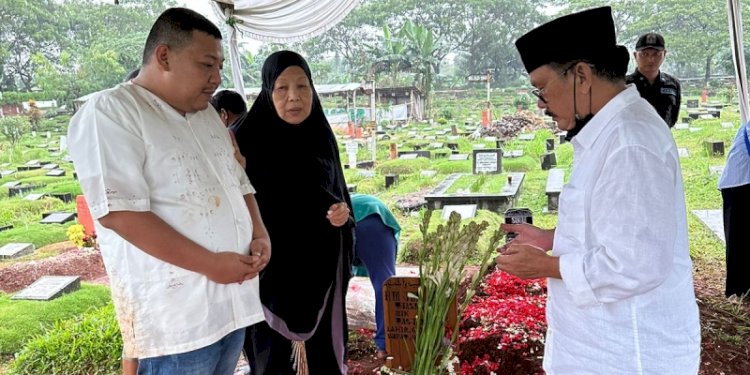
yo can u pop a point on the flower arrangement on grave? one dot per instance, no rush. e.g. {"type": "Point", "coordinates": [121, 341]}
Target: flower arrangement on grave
{"type": "Point", "coordinates": [442, 258]}
{"type": "Point", "coordinates": [77, 234]}
{"type": "Point", "coordinates": [503, 328]}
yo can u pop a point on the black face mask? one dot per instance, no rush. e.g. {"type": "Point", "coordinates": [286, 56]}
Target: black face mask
{"type": "Point", "coordinates": [580, 122]}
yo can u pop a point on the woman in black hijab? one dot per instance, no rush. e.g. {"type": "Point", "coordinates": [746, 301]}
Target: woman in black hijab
{"type": "Point", "coordinates": [293, 163]}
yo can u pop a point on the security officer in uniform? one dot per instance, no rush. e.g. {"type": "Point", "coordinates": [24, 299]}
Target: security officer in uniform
{"type": "Point", "coordinates": [658, 88]}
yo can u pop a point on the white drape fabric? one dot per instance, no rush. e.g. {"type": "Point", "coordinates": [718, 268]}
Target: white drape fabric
{"type": "Point", "coordinates": [279, 21]}
{"type": "Point", "coordinates": [734, 9]}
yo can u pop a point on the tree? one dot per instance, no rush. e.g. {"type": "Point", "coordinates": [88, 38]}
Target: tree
{"type": "Point", "coordinates": [13, 128]}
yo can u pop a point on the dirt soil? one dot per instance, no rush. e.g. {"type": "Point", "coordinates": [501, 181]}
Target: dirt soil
{"type": "Point", "coordinates": [725, 324]}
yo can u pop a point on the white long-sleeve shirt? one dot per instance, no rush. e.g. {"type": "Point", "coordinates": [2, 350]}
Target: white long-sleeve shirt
{"type": "Point", "coordinates": [625, 304]}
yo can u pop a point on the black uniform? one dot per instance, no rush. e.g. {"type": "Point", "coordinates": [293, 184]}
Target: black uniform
{"type": "Point", "coordinates": [664, 94]}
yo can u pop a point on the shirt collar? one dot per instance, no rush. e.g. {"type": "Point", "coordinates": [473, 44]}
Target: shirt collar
{"type": "Point", "coordinates": [597, 125]}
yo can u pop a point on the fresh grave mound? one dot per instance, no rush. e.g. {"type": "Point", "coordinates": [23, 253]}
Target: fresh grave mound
{"type": "Point", "coordinates": [85, 263]}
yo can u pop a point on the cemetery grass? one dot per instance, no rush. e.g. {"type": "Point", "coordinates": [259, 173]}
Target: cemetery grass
{"type": "Point", "coordinates": [23, 320]}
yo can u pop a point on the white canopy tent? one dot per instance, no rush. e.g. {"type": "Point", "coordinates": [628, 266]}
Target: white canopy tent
{"type": "Point", "coordinates": [277, 21]}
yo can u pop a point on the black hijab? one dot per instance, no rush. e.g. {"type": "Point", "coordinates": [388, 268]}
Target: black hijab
{"type": "Point", "coordinates": [297, 175]}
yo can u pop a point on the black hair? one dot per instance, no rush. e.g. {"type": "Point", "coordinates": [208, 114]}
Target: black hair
{"type": "Point", "coordinates": [230, 101]}
{"type": "Point", "coordinates": [133, 73]}
{"type": "Point", "coordinates": [175, 27]}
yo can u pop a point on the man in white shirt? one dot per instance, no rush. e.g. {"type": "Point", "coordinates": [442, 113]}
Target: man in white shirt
{"type": "Point", "coordinates": [179, 229]}
{"type": "Point", "coordinates": [620, 291]}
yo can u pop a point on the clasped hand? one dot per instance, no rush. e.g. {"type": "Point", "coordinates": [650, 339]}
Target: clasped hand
{"type": "Point", "coordinates": [338, 214]}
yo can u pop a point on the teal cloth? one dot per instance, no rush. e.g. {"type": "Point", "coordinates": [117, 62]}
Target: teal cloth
{"type": "Point", "coordinates": [365, 205]}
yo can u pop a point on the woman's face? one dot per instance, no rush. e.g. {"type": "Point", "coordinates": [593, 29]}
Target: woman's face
{"type": "Point", "coordinates": [292, 95]}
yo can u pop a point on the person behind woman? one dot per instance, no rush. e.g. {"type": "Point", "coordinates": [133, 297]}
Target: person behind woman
{"type": "Point", "coordinates": [377, 235]}
{"type": "Point", "coordinates": [293, 163]}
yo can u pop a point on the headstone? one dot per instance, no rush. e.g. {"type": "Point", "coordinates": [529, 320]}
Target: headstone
{"type": "Point", "coordinates": [550, 144]}
{"type": "Point", "coordinates": [467, 211]}
{"type": "Point", "coordinates": [49, 166]}
{"type": "Point", "coordinates": [390, 179]}
{"type": "Point", "coordinates": [11, 184]}
{"type": "Point", "coordinates": [513, 154]}
{"type": "Point", "coordinates": [727, 125]}
{"type": "Point", "coordinates": [554, 188]}
{"type": "Point", "coordinates": [352, 188]}
{"type": "Point", "coordinates": [715, 170]}
{"type": "Point", "coordinates": [21, 189]}
{"type": "Point", "coordinates": [6, 227]}
{"type": "Point", "coordinates": [56, 173]}
{"type": "Point", "coordinates": [15, 250]}
{"type": "Point", "coordinates": [452, 145]}
{"type": "Point", "coordinates": [34, 197]}
{"type": "Point", "coordinates": [49, 287]}
{"type": "Point", "coordinates": [683, 152]}
{"type": "Point", "coordinates": [65, 197]}
{"type": "Point", "coordinates": [23, 168]}
{"type": "Point", "coordinates": [458, 157]}
{"type": "Point", "coordinates": [32, 162]}
{"type": "Point", "coordinates": [454, 130]}
{"type": "Point", "coordinates": [526, 137]}
{"type": "Point", "coordinates": [436, 145]}
{"type": "Point", "coordinates": [366, 173]}
{"type": "Point", "coordinates": [681, 126]}
{"type": "Point", "coordinates": [714, 148]}
{"type": "Point", "coordinates": [478, 146]}
{"type": "Point", "coordinates": [351, 152]}
{"type": "Point", "coordinates": [428, 173]}
{"type": "Point", "coordinates": [549, 160]}
{"type": "Point", "coordinates": [693, 130]}
{"type": "Point", "coordinates": [705, 117]}
{"type": "Point", "coordinates": [714, 220]}
{"type": "Point", "coordinates": [84, 216]}
{"type": "Point", "coordinates": [487, 161]}
{"type": "Point", "coordinates": [561, 137]}
{"type": "Point", "coordinates": [408, 156]}
{"type": "Point", "coordinates": [6, 173]}
{"type": "Point", "coordinates": [57, 218]}
{"type": "Point", "coordinates": [692, 103]}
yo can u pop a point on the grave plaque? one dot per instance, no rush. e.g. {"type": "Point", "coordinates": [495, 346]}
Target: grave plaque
{"type": "Point", "coordinates": [727, 125]}
{"type": "Point", "coordinates": [550, 144]}
{"type": "Point", "coordinates": [20, 189]}
{"type": "Point", "coordinates": [11, 184]}
{"type": "Point", "coordinates": [561, 137]}
{"type": "Point", "coordinates": [15, 250]}
{"type": "Point", "coordinates": [49, 166]}
{"type": "Point", "coordinates": [56, 173]}
{"type": "Point", "coordinates": [84, 216]}
{"type": "Point", "coordinates": [692, 103]}
{"type": "Point", "coordinates": [34, 197]}
{"type": "Point", "coordinates": [366, 173]}
{"type": "Point", "coordinates": [436, 145]}
{"type": "Point", "coordinates": [683, 152]}
{"type": "Point", "coordinates": [6, 227]}
{"type": "Point", "coordinates": [714, 148]}
{"type": "Point", "coordinates": [478, 145]}
{"type": "Point", "coordinates": [408, 156]}
{"type": "Point", "coordinates": [716, 169]}
{"type": "Point", "coordinates": [681, 126]}
{"type": "Point", "coordinates": [352, 188]}
{"type": "Point", "coordinates": [466, 211]}
{"type": "Point", "coordinates": [526, 137]}
{"type": "Point", "coordinates": [49, 287]}
{"type": "Point", "coordinates": [452, 145]}
{"type": "Point", "coordinates": [400, 312]}
{"type": "Point", "coordinates": [6, 173]}
{"type": "Point", "coordinates": [458, 157]}
{"type": "Point", "coordinates": [487, 161]}
{"type": "Point", "coordinates": [390, 179]}
{"type": "Point", "coordinates": [514, 154]}
{"type": "Point", "coordinates": [32, 162]}
{"type": "Point", "coordinates": [549, 160]}
{"type": "Point", "coordinates": [57, 218]}
{"type": "Point", "coordinates": [65, 197]}
{"type": "Point", "coordinates": [693, 130]}
{"type": "Point", "coordinates": [428, 173]}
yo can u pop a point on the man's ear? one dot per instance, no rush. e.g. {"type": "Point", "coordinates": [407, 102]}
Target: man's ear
{"type": "Point", "coordinates": [161, 56]}
{"type": "Point", "coordinates": [583, 74]}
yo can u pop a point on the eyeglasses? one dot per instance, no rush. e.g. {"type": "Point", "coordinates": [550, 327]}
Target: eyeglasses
{"type": "Point", "coordinates": [539, 93]}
